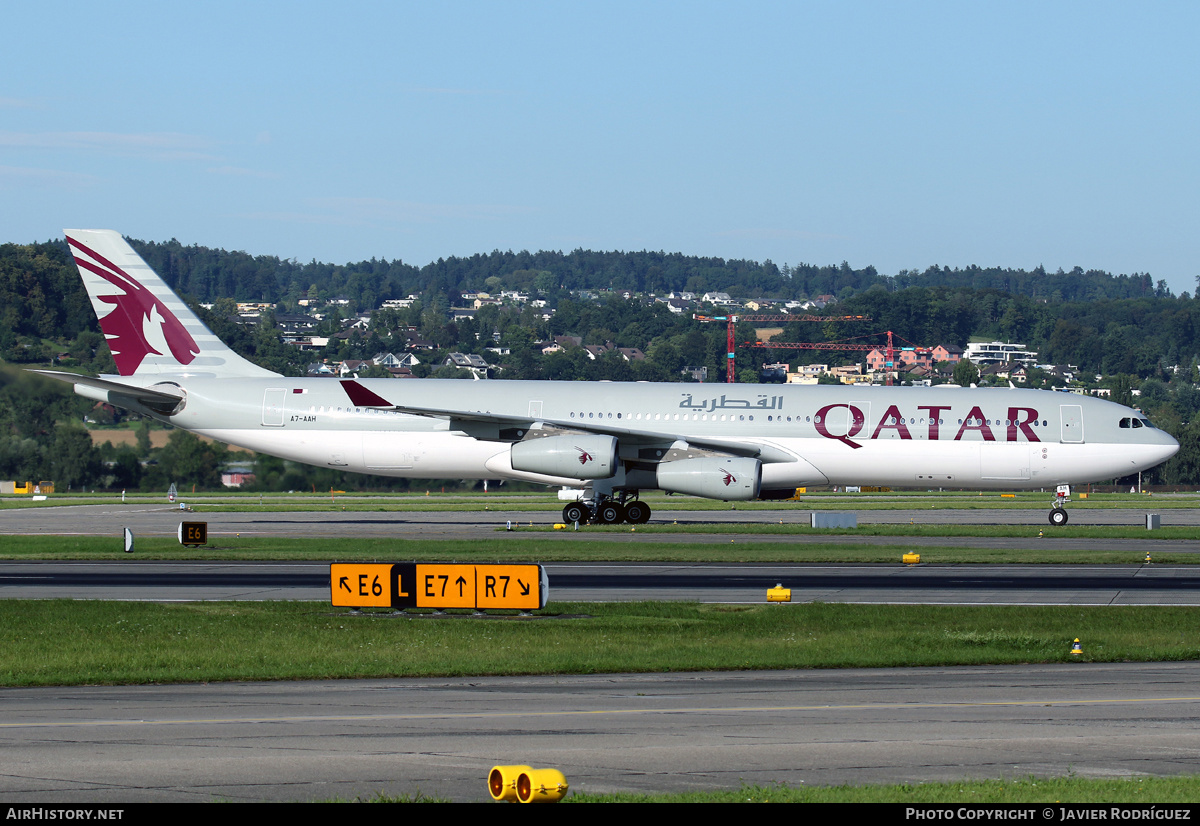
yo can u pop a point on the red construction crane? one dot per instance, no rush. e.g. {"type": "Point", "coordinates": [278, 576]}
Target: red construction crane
{"type": "Point", "coordinates": [731, 321]}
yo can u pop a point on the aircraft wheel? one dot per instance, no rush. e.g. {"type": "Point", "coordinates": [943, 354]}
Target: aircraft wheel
{"type": "Point", "coordinates": [637, 513]}
{"type": "Point", "coordinates": [1058, 516]}
{"type": "Point", "coordinates": [576, 512]}
{"type": "Point", "coordinates": [610, 513]}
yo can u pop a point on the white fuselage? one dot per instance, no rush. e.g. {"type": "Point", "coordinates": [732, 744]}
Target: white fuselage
{"type": "Point", "coordinates": [947, 437]}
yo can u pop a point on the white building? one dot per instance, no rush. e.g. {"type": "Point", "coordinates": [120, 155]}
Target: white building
{"type": "Point", "coordinates": [998, 352]}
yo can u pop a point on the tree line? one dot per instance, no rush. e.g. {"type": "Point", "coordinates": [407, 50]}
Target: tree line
{"type": "Point", "coordinates": [39, 278]}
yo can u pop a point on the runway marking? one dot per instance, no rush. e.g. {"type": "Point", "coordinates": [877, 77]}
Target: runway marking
{"type": "Point", "coordinates": [592, 712]}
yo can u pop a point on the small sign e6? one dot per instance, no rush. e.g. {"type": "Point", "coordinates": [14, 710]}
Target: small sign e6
{"type": "Point", "coordinates": [193, 533]}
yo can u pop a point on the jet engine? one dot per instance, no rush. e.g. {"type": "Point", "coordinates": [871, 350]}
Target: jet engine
{"type": "Point", "coordinates": [583, 456]}
{"type": "Point", "coordinates": [712, 477]}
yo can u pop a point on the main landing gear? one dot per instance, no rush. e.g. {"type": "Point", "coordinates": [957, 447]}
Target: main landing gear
{"type": "Point", "coordinates": [576, 512]}
{"type": "Point", "coordinates": [607, 512]}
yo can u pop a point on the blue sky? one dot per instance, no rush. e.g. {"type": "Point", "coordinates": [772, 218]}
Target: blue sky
{"type": "Point", "coordinates": [898, 135]}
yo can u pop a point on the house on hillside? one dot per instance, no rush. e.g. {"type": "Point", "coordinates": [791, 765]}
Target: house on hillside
{"type": "Point", "coordinates": [998, 352]}
{"type": "Point", "coordinates": [950, 353]}
{"type": "Point", "coordinates": [399, 303]}
{"type": "Point", "coordinates": [352, 366]}
{"type": "Point", "coordinates": [468, 361]}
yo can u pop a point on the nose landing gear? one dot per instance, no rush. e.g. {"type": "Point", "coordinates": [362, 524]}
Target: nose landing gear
{"type": "Point", "coordinates": [1058, 511]}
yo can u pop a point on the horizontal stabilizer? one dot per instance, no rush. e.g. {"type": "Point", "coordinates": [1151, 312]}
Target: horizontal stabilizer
{"type": "Point", "coordinates": [164, 398]}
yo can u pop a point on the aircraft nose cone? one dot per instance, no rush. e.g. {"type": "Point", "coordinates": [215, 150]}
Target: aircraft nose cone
{"type": "Point", "coordinates": [1167, 446]}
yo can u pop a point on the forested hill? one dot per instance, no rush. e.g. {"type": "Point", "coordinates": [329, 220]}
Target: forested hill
{"type": "Point", "coordinates": [204, 274]}
{"type": "Point", "coordinates": [208, 274]}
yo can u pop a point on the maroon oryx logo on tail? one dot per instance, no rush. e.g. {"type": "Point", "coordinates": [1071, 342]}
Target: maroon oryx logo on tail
{"type": "Point", "coordinates": [137, 317]}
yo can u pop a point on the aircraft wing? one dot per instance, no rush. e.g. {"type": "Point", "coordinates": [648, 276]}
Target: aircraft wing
{"type": "Point", "coordinates": [502, 427]}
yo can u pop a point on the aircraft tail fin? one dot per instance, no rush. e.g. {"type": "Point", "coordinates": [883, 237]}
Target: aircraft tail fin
{"type": "Point", "coordinates": [150, 331]}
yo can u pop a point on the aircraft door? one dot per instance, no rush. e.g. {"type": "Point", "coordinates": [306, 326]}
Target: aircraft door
{"type": "Point", "coordinates": [273, 402]}
{"type": "Point", "coordinates": [1071, 418]}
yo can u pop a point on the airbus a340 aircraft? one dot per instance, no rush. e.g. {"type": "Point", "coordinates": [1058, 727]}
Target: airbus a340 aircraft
{"type": "Point", "coordinates": [604, 441]}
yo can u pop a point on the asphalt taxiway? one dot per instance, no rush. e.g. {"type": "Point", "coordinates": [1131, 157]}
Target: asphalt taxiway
{"type": "Point", "coordinates": [650, 732]}
{"type": "Point", "coordinates": [131, 579]}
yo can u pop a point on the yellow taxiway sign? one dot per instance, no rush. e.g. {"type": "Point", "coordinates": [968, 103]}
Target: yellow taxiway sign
{"type": "Point", "coordinates": [438, 585]}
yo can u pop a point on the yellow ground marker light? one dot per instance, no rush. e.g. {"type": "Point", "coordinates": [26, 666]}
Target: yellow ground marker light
{"type": "Point", "coordinates": [502, 782]}
{"type": "Point", "coordinates": [525, 784]}
{"type": "Point", "coordinates": [779, 594]}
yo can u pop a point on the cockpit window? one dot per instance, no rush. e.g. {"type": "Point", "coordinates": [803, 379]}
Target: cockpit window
{"type": "Point", "coordinates": [1134, 422]}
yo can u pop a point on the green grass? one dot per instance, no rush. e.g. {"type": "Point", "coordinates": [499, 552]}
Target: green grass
{"type": "Point", "coordinates": [380, 797]}
{"type": "Point", "coordinates": [1141, 791]}
{"type": "Point", "coordinates": [527, 546]}
{"type": "Point", "coordinates": [1060, 791]}
{"type": "Point", "coordinates": [63, 642]}
{"type": "Point", "coordinates": [1084, 533]}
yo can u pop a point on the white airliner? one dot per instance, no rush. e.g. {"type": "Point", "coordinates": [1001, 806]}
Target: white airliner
{"type": "Point", "coordinates": [605, 441]}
